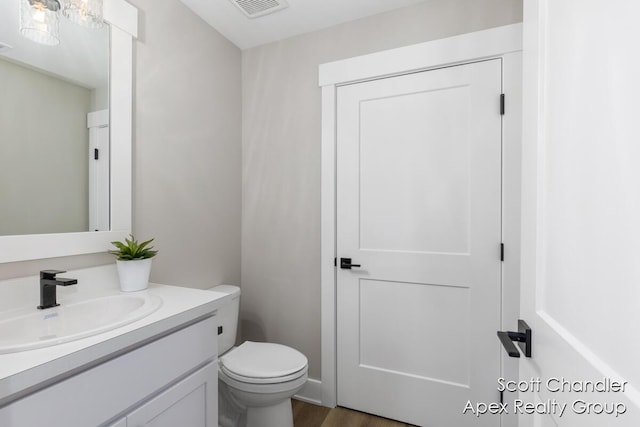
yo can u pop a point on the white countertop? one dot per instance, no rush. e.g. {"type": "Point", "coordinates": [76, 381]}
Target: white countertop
{"type": "Point", "coordinates": [25, 371]}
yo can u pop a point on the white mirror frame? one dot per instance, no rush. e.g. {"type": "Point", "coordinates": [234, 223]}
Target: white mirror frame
{"type": "Point", "coordinates": [124, 28]}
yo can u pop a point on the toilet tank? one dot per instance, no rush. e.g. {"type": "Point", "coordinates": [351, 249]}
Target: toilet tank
{"type": "Point", "coordinates": [228, 316]}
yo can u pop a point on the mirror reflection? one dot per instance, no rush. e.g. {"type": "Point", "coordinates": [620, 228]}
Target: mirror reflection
{"type": "Point", "coordinates": [54, 134]}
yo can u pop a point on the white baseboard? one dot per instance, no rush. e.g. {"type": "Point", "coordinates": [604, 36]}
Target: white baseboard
{"type": "Point", "coordinates": [311, 392]}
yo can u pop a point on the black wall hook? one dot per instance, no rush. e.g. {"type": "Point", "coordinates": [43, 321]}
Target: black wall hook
{"type": "Point", "coordinates": [522, 337]}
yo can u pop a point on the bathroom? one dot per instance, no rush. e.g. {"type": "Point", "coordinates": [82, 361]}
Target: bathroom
{"type": "Point", "coordinates": [227, 156]}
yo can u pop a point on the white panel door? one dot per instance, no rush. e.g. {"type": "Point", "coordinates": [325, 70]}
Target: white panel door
{"type": "Point", "coordinates": [99, 170]}
{"type": "Point", "coordinates": [419, 208]}
{"type": "Point", "coordinates": [580, 214]}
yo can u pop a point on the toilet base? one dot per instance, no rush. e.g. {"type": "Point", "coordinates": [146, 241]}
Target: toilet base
{"type": "Point", "coordinates": [241, 408]}
{"type": "Point", "coordinates": [279, 415]}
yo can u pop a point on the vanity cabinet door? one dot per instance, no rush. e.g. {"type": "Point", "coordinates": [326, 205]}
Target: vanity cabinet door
{"type": "Point", "coordinates": [191, 402]}
{"type": "Point", "coordinates": [115, 386]}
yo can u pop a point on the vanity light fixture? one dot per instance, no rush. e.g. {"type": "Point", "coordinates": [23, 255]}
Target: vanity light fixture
{"type": "Point", "coordinates": [84, 12]}
{"type": "Point", "coordinates": [39, 21]}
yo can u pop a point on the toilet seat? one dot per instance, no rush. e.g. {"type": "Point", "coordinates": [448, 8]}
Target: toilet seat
{"type": "Point", "coordinates": [263, 363]}
{"type": "Point", "coordinates": [252, 380]}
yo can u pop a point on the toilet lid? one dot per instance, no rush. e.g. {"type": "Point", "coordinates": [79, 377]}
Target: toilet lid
{"type": "Point", "coordinates": [263, 360]}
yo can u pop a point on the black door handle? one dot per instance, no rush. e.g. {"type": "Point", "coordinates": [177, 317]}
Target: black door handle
{"type": "Point", "coordinates": [522, 337]}
{"type": "Point", "coordinates": [346, 263]}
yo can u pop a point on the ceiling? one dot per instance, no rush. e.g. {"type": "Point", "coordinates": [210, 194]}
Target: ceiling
{"type": "Point", "coordinates": [302, 16]}
{"type": "Point", "coordinates": [82, 57]}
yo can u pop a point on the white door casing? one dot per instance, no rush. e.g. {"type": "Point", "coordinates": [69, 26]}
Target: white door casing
{"type": "Point", "coordinates": [580, 212]}
{"type": "Point", "coordinates": [99, 167]}
{"type": "Point", "coordinates": [504, 43]}
{"type": "Point", "coordinates": [419, 207]}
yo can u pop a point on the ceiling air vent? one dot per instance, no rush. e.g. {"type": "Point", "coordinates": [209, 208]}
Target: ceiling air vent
{"type": "Point", "coordinates": [256, 8]}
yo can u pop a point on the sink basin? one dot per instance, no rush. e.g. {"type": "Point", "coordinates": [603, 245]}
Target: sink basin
{"type": "Point", "coordinates": [34, 328]}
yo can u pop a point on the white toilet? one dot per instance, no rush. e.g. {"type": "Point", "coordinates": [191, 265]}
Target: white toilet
{"type": "Point", "coordinates": [255, 380]}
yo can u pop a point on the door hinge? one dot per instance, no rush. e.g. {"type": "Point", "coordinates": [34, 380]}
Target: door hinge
{"type": "Point", "coordinates": [335, 262]}
{"type": "Point", "coordinates": [502, 104]}
{"type": "Point", "coordinates": [501, 397]}
{"type": "Point", "coordinates": [501, 251]}
{"type": "Point", "coordinates": [96, 154]}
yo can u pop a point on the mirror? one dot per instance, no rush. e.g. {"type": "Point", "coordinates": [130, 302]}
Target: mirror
{"type": "Point", "coordinates": [38, 244]}
{"type": "Point", "coordinates": [50, 96]}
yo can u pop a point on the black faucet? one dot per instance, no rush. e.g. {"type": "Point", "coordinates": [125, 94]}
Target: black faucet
{"type": "Point", "coordinates": [48, 283]}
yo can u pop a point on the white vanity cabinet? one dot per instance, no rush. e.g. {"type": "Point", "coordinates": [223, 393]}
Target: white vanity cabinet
{"type": "Point", "coordinates": [167, 381]}
{"type": "Point", "coordinates": [190, 402]}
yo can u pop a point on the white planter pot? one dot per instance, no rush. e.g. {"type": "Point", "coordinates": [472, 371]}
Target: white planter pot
{"type": "Point", "coordinates": [134, 275]}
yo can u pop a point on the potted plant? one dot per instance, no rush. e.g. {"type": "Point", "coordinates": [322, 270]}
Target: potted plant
{"type": "Point", "coordinates": [134, 263]}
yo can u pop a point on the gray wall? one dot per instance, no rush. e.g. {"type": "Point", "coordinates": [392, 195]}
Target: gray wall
{"type": "Point", "coordinates": [186, 151]}
{"type": "Point", "coordinates": [187, 146]}
{"type": "Point", "coordinates": [44, 146]}
{"type": "Point", "coordinates": [281, 157]}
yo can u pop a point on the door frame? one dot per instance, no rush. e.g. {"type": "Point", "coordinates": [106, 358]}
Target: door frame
{"type": "Point", "coordinates": [99, 212]}
{"type": "Point", "coordinates": [504, 43]}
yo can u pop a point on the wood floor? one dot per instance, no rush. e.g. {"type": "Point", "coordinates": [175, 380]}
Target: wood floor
{"type": "Point", "coordinates": [308, 415]}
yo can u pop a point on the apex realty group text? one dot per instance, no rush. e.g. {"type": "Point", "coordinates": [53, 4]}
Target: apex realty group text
{"type": "Point", "coordinates": [549, 407]}
{"type": "Point", "coordinates": [553, 406]}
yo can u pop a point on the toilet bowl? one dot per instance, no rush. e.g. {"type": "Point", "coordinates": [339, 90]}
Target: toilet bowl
{"type": "Point", "coordinates": [256, 380]}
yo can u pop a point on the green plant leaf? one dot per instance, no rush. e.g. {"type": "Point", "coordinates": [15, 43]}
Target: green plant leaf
{"type": "Point", "coordinates": [131, 249]}
{"type": "Point", "coordinates": [144, 244]}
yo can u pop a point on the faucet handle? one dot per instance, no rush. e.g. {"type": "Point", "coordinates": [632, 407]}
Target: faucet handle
{"type": "Point", "coordinates": [50, 274]}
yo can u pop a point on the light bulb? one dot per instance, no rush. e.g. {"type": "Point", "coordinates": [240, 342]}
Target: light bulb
{"type": "Point", "coordinates": [38, 15]}
{"type": "Point", "coordinates": [39, 21]}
